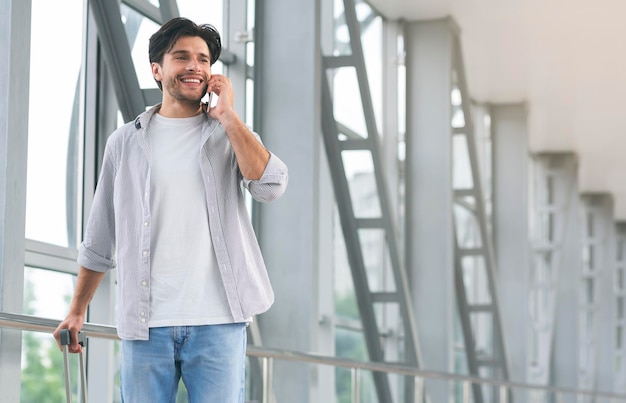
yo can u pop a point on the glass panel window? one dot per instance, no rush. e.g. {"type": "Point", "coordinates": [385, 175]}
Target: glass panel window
{"type": "Point", "coordinates": [347, 102]}
{"type": "Point", "coordinates": [468, 227]}
{"type": "Point", "coordinates": [376, 260]}
{"type": "Point", "coordinates": [371, 37]}
{"type": "Point", "coordinates": [250, 23]}
{"type": "Point", "coordinates": [206, 12]}
{"type": "Point", "coordinates": [461, 165]}
{"type": "Point", "coordinates": [476, 280]}
{"type": "Point", "coordinates": [46, 294]}
{"type": "Point", "coordinates": [54, 135]}
{"type": "Point", "coordinates": [359, 168]}
{"type": "Point", "coordinates": [482, 329]}
{"type": "Point", "coordinates": [342, 34]}
{"type": "Point", "coordinates": [138, 31]}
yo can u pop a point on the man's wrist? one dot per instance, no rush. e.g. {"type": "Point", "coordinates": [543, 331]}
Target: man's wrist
{"type": "Point", "coordinates": [231, 121]}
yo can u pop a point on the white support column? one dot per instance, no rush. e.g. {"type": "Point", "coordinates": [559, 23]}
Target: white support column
{"type": "Point", "coordinates": [14, 83]}
{"type": "Point", "coordinates": [597, 298]}
{"type": "Point", "coordinates": [287, 116]}
{"type": "Point", "coordinates": [619, 313]}
{"type": "Point", "coordinates": [429, 226]}
{"type": "Point", "coordinates": [554, 279]}
{"type": "Point", "coordinates": [510, 230]}
{"type": "Point", "coordinates": [566, 327]}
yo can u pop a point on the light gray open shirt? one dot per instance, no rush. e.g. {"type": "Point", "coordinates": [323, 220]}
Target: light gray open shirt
{"type": "Point", "coordinates": [118, 231]}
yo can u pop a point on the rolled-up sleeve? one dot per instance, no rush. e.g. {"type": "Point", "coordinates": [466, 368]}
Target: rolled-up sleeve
{"type": "Point", "coordinates": [272, 183]}
{"type": "Point", "coordinates": [96, 252]}
{"type": "Point", "coordinates": [93, 261]}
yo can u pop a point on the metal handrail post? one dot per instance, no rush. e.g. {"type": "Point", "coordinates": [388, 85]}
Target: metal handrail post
{"type": "Point", "coordinates": [66, 361]}
{"type": "Point", "coordinates": [467, 386]}
{"type": "Point", "coordinates": [267, 379]}
{"type": "Point", "coordinates": [419, 389]}
{"type": "Point", "coordinates": [504, 395]}
{"type": "Point", "coordinates": [356, 385]}
{"type": "Point", "coordinates": [83, 377]}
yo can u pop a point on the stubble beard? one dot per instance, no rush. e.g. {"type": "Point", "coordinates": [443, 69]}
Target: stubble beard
{"type": "Point", "coordinates": [175, 91]}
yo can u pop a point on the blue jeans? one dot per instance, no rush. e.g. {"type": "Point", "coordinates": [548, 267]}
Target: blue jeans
{"type": "Point", "coordinates": [211, 360]}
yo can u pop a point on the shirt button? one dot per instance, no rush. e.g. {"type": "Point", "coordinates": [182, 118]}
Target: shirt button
{"type": "Point", "coordinates": [143, 320]}
{"type": "Point", "coordinates": [144, 283]}
{"type": "Point", "coordinates": [143, 314]}
{"type": "Point", "coordinates": [145, 253]}
{"type": "Point", "coordinates": [145, 224]}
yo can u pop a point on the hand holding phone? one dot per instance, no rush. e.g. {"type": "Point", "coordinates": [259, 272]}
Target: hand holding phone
{"type": "Point", "coordinates": [212, 100]}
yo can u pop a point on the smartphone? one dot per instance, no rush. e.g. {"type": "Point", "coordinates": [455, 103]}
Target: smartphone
{"type": "Point", "coordinates": [211, 100]}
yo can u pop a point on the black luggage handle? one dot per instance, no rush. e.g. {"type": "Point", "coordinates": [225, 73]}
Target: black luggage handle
{"type": "Point", "coordinates": [65, 339]}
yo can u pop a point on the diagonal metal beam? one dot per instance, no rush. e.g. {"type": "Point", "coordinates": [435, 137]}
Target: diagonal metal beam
{"type": "Point", "coordinates": [497, 361]}
{"type": "Point", "coordinates": [169, 9]}
{"type": "Point", "coordinates": [334, 134]}
{"type": "Point", "coordinates": [118, 57]}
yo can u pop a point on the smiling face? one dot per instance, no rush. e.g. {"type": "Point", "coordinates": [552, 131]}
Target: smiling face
{"type": "Point", "coordinates": [184, 72]}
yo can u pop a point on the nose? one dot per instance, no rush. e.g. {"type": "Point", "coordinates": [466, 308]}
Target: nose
{"type": "Point", "coordinates": [193, 65]}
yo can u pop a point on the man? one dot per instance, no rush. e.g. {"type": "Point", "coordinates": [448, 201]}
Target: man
{"type": "Point", "coordinates": [169, 207]}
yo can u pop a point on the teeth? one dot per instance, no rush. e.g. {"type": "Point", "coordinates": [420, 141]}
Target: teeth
{"type": "Point", "coordinates": [191, 80]}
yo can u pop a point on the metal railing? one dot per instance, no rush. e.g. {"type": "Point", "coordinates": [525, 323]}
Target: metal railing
{"type": "Point", "coordinates": [268, 355]}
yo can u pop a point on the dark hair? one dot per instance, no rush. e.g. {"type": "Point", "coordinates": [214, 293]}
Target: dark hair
{"type": "Point", "coordinates": [164, 39]}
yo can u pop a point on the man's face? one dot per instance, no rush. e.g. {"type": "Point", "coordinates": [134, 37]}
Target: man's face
{"type": "Point", "coordinates": [185, 70]}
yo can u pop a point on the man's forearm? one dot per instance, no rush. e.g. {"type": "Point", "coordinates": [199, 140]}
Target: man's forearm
{"type": "Point", "coordinates": [252, 157]}
{"type": "Point", "coordinates": [86, 285]}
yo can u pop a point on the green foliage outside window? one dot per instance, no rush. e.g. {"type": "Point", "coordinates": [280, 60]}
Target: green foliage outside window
{"type": "Point", "coordinates": [43, 379]}
{"type": "Point", "coordinates": [348, 344]}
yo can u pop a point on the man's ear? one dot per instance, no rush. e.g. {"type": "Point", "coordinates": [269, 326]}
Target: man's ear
{"type": "Point", "coordinates": [156, 71]}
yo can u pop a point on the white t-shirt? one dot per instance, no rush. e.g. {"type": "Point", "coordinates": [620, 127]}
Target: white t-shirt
{"type": "Point", "coordinates": [186, 285]}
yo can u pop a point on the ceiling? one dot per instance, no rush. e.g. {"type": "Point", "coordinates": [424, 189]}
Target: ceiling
{"type": "Point", "coordinates": [564, 59]}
